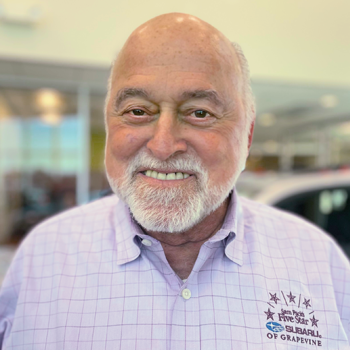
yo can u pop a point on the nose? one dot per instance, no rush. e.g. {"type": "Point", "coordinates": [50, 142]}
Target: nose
{"type": "Point", "coordinates": [166, 140]}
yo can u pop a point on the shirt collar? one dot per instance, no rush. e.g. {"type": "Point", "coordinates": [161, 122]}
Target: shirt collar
{"type": "Point", "coordinates": [231, 232]}
{"type": "Point", "coordinates": [234, 226]}
{"type": "Point", "coordinates": [126, 230]}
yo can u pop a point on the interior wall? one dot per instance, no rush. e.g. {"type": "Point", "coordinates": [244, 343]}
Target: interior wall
{"type": "Point", "coordinates": [290, 40]}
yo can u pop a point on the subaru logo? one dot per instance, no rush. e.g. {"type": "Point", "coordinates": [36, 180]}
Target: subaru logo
{"type": "Point", "coordinates": [274, 327]}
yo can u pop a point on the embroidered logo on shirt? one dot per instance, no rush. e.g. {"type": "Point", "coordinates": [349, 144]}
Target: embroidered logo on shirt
{"type": "Point", "coordinates": [295, 312]}
{"type": "Point", "coordinates": [274, 327]}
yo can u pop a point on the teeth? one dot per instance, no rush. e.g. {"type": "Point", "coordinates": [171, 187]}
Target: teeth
{"type": "Point", "coordinates": [170, 176]}
{"type": "Point", "coordinates": [161, 176]}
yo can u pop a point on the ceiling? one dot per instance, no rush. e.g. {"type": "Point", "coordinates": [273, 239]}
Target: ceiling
{"type": "Point", "coordinates": [298, 108]}
{"type": "Point", "coordinates": [289, 40]}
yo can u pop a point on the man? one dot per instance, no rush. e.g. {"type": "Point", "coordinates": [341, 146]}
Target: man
{"type": "Point", "coordinates": [178, 261]}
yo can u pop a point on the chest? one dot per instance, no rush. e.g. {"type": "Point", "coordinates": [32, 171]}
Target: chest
{"type": "Point", "coordinates": [144, 304]}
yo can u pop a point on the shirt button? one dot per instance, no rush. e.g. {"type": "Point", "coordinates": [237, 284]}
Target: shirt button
{"type": "Point", "coordinates": [186, 294]}
{"type": "Point", "coordinates": [146, 242]}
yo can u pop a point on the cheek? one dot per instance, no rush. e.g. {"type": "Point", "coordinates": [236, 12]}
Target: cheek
{"type": "Point", "coordinates": [122, 145]}
{"type": "Point", "coordinates": [219, 153]}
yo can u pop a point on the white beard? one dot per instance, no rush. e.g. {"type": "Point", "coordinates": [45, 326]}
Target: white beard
{"type": "Point", "coordinates": [174, 209]}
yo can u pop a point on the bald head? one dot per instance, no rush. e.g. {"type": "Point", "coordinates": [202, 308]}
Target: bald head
{"type": "Point", "coordinates": [174, 35]}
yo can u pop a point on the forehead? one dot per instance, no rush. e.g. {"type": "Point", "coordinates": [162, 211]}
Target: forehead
{"type": "Point", "coordinates": [174, 68]}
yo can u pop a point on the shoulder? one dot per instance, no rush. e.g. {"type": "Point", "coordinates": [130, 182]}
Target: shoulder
{"type": "Point", "coordinates": [280, 225]}
{"type": "Point", "coordinates": [91, 218]}
{"type": "Point", "coordinates": [277, 234]}
{"type": "Point", "coordinates": [83, 213]}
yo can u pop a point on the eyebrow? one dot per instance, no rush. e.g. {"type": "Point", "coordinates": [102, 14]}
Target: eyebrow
{"type": "Point", "coordinates": [126, 93]}
{"type": "Point", "coordinates": [210, 95]}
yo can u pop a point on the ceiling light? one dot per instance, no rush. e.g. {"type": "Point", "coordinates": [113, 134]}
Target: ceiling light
{"type": "Point", "coordinates": [328, 101]}
{"type": "Point", "coordinates": [48, 99]}
{"type": "Point", "coordinates": [20, 14]}
{"type": "Point", "coordinates": [267, 119]}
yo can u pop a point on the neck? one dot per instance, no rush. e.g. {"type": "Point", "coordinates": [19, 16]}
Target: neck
{"type": "Point", "coordinates": [182, 249]}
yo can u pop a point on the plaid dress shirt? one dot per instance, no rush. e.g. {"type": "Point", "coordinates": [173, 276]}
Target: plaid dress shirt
{"type": "Point", "coordinates": [91, 279]}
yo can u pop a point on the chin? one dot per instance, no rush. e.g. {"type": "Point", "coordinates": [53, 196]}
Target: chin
{"type": "Point", "coordinates": [170, 210]}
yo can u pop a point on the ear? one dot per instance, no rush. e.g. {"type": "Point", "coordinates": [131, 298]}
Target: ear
{"type": "Point", "coordinates": [251, 129]}
{"type": "Point", "coordinates": [250, 137]}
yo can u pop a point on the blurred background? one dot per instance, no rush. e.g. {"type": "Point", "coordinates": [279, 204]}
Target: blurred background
{"type": "Point", "coordinates": [54, 64]}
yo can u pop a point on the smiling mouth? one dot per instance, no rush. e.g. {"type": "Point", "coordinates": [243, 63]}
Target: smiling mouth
{"type": "Point", "coordinates": [165, 176]}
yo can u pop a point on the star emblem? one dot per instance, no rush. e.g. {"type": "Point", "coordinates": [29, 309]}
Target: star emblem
{"type": "Point", "coordinates": [291, 297]}
{"type": "Point", "coordinates": [314, 321]}
{"type": "Point", "coordinates": [306, 303]}
{"type": "Point", "coordinates": [274, 297]}
{"type": "Point", "coordinates": [269, 314]}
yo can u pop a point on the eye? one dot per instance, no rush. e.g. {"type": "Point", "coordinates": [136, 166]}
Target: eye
{"type": "Point", "coordinates": [138, 112]}
{"type": "Point", "coordinates": [200, 113]}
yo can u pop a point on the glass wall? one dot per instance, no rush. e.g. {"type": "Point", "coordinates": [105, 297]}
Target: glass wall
{"type": "Point", "coordinates": [51, 154]}
{"type": "Point", "coordinates": [323, 147]}
{"type": "Point", "coordinates": [40, 157]}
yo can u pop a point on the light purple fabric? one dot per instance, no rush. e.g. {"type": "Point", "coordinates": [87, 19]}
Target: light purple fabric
{"type": "Point", "coordinates": [266, 280]}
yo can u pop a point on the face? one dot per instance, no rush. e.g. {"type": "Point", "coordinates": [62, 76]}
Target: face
{"type": "Point", "coordinates": [176, 136]}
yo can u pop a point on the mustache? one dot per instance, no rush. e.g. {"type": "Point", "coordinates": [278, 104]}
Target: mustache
{"type": "Point", "coordinates": [186, 162]}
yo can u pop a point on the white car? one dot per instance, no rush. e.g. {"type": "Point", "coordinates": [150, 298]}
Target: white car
{"type": "Point", "coordinates": [320, 197]}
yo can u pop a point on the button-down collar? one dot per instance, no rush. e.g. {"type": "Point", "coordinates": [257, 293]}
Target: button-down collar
{"type": "Point", "coordinates": [234, 223]}
{"type": "Point", "coordinates": [126, 231]}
